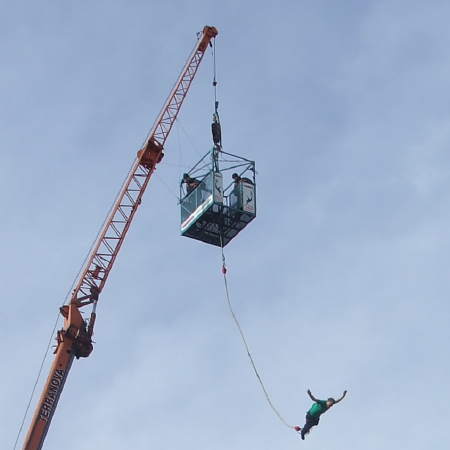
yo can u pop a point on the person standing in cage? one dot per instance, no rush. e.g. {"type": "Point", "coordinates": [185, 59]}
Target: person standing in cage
{"type": "Point", "coordinates": [191, 183]}
{"type": "Point", "coordinates": [316, 410]}
{"type": "Point", "coordinates": [237, 179]}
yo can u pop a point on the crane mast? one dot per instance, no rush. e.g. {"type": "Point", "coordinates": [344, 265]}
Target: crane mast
{"type": "Point", "coordinates": [74, 340]}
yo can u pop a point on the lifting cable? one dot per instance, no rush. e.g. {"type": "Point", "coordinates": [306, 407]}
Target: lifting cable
{"type": "Point", "coordinates": [216, 104]}
{"type": "Point", "coordinates": [250, 357]}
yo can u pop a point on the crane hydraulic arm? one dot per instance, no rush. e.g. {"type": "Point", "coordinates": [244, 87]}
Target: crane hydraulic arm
{"type": "Point", "coordinates": [74, 340]}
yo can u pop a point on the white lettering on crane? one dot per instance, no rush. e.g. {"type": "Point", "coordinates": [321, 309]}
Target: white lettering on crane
{"type": "Point", "coordinates": [52, 394]}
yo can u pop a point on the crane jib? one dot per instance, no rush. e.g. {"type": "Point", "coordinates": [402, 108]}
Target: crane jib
{"type": "Point", "coordinates": [75, 339]}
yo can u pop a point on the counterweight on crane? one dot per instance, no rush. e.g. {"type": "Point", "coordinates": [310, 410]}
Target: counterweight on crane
{"type": "Point", "coordinates": [74, 340]}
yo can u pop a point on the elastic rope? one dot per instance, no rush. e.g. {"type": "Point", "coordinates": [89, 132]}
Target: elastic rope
{"type": "Point", "coordinates": [236, 321]}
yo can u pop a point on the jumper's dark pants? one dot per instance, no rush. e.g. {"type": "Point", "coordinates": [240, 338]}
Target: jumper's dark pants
{"type": "Point", "coordinates": [310, 422]}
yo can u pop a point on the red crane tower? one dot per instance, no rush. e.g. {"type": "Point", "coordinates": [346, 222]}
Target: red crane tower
{"type": "Point", "coordinates": [74, 340]}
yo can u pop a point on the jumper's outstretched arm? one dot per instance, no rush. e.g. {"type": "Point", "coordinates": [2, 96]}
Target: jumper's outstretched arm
{"type": "Point", "coordinates": [314, 399]}
{"type": "Point", "coordinates": [339, 399]}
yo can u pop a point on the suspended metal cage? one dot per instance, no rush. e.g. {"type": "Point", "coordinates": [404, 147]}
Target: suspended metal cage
{"type": "Point", "coordinates": [218, 197]}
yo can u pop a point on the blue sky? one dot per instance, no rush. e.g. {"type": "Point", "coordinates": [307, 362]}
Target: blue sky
{"type": "Point", "coordinates": [340, 283]}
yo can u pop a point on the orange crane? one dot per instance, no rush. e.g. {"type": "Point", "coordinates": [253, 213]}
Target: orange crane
{"type": "Point", "coordinates": [74, 340]}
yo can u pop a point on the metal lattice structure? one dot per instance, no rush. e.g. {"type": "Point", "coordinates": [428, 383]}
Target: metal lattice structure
{"type": "Point", "coordinates": [110, 238]}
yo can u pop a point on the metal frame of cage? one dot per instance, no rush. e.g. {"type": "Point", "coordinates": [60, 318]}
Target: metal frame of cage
{"type": "Point", "coordinates": [221, 220]}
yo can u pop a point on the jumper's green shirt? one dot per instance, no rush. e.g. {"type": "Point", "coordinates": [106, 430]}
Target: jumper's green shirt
{"type": "Point", "coordinates": [318, 408]}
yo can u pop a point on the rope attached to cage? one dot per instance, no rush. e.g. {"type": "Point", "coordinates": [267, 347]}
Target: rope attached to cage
{"type": "Point", "coordinates": [244, 340]}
